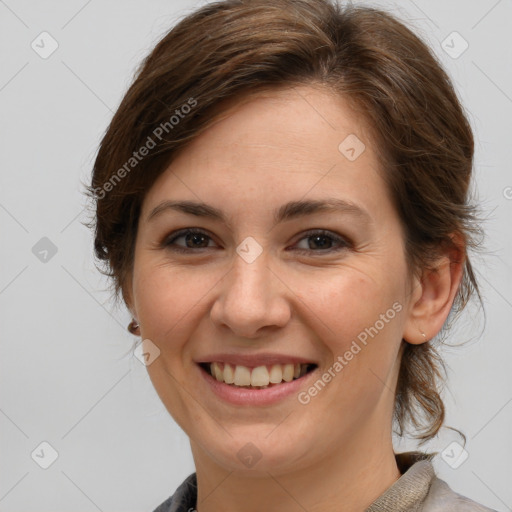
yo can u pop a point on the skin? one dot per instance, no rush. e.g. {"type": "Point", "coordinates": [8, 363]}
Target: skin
{"type": "Point", "coordinates": [264, 152]}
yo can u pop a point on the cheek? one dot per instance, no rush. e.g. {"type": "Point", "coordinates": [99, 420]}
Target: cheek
{"type": "Point", "coordinates": [168, 297]}
{"type": "Point", "coordinates": [349, 299]}
{"type": "Point", "coordinates": [364, 322]}
{"type": "Point", "coordinates": [358, 317]}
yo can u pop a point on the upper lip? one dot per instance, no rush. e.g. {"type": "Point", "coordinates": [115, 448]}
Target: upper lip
{"type": "Point", "coordinates": [253, 360]}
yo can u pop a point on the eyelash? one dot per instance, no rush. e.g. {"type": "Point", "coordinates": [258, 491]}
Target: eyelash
{"type": "Point", "coordinates": [344, 242]}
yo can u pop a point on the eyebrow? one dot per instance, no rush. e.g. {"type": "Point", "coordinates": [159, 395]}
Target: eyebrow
{"type": "Point", "coordinates": [288, 211]}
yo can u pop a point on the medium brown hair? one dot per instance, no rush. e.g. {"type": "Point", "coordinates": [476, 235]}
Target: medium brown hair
{"type": "Point", "coordinates": [230, 49]}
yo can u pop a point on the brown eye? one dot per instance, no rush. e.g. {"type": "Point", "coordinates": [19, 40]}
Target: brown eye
{"type": "Point", "coordinates": [193, 239]}
{"type": "Point", "coordinates": [316, 241]}
{"type": "Point", "coordinates": [322, 241]}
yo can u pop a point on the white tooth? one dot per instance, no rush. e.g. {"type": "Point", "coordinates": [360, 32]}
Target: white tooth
{"type": "Point", "coordinates": [217, 372]}
{"type": "Point", "coordinates": [276, 374]}
{"type": "Point", "coordinates": [296, 372]}
{"type": "Point", "coordinates": [229, 375]}
{"type": "Point", "coordinates": [242, 376]}
{"type": "Point", "coordinates": [259, 376]}
{"type": "Point", "coordinates": [288, 372]}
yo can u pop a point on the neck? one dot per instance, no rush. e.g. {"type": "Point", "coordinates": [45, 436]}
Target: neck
{"type": "Point", "coordinates": [354, 478]}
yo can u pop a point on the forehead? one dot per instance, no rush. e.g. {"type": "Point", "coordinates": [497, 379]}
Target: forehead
{"type": "Point", "coordinates": [310, 115]}
{"type": "Point", "coordinates": [282, 142]}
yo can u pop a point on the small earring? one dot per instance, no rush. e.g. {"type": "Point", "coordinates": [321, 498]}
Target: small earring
{"type": "Point", "coordinates": [424, 335]}
{"type": "Point", "coordinates": [133, 327]}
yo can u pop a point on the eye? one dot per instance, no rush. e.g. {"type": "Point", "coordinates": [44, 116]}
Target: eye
{"type": "Point", "coordinates": [315, 241]}
{"type": "Point", "coordinates": [193, 239]}
{"type": "Point", "coordinates": [322, 241]}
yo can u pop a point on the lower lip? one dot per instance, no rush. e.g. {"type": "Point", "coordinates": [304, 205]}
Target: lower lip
{"type": "Point", "coordinates": [245, 396]}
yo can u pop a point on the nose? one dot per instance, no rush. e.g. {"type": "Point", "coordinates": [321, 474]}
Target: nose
{"type": "Point", "coordinates": [252, 299]}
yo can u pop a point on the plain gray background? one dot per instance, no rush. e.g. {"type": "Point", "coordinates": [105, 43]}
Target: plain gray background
{"type": "Point", "coordinates": [68, 377]}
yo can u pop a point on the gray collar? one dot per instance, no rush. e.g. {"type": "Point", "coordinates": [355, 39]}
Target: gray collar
{"type": "Point", "coordinates": [411, 489]}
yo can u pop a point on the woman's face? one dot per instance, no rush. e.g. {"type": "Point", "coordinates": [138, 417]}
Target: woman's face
{"type": "Point", "coordinates": [270, 278]}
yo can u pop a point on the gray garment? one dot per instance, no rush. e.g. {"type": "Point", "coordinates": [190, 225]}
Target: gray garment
{"type": "Point", "coordinates": [420, 490]}
{"type": "Point", "coordinates": [417, 490]}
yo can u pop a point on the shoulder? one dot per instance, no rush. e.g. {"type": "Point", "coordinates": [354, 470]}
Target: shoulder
{"type": "Point", "coordinates": [422, 490]}
{"type": "Point", "coordinates": [441, 498]}
{"type": "Point", "coordinates": [184, 499]}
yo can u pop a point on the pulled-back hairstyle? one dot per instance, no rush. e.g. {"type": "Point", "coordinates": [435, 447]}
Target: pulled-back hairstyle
{"type": "Point", "coordinates": [231, 49]}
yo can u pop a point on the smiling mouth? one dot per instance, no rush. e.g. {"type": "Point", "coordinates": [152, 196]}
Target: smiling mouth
{"type": "Point", "coordinates": [260, 377]}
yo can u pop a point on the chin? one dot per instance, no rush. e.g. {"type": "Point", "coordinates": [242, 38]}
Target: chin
{"type": "Point", "coordinates": [253, 452]}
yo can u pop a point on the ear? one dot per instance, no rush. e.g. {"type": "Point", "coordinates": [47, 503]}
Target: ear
{"type": "Point", "coordinates": [433, 294]}
{"type": "Point", "coordinates": [127, 293]}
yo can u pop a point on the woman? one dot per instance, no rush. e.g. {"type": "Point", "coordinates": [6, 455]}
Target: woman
{"type": "Point", "coordinates": [282, 201]}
